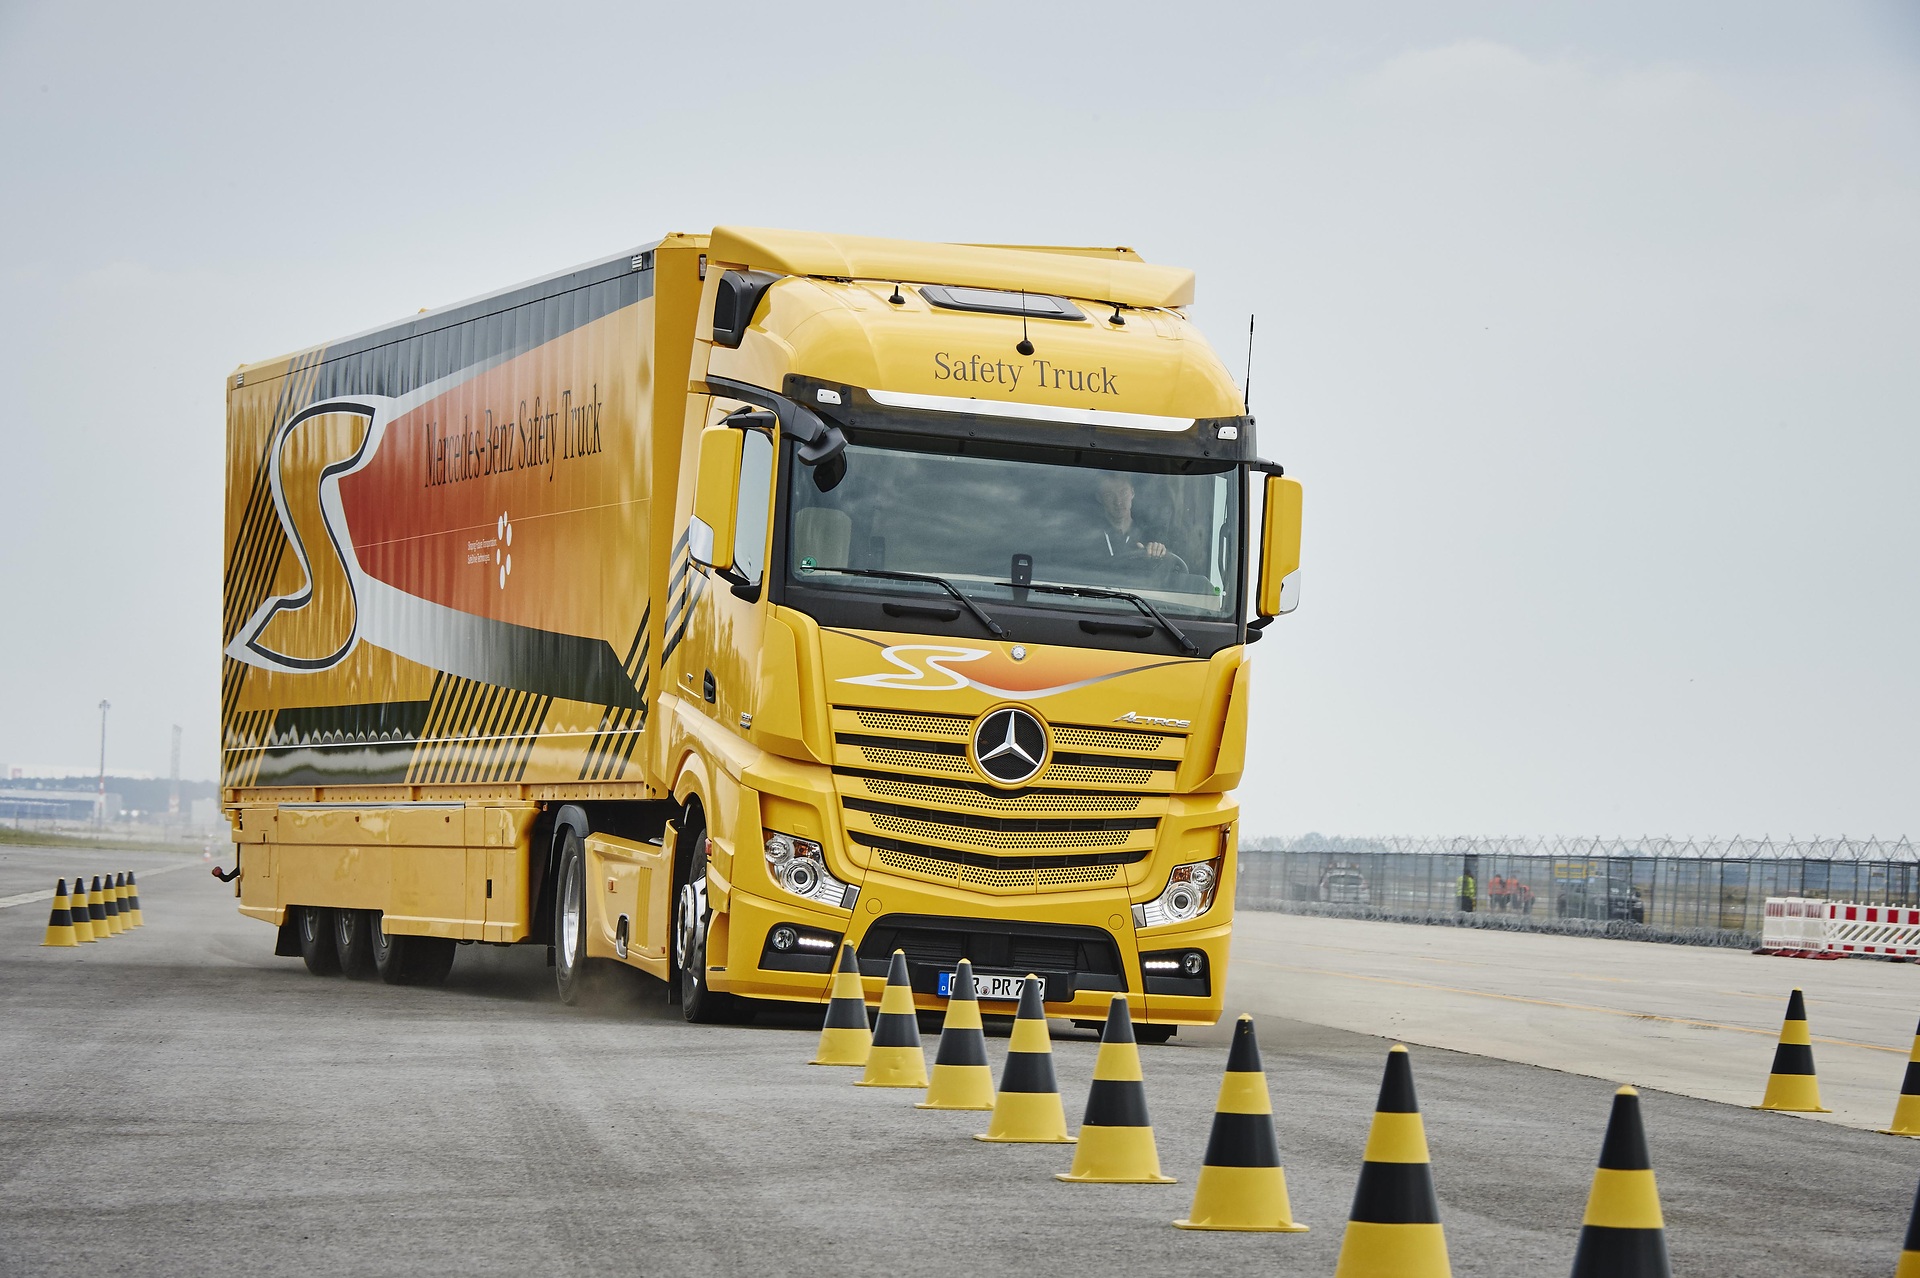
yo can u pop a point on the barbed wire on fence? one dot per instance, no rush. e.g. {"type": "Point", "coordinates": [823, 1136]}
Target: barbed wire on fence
{"type": "Point", "coordinates": [1737, 847]}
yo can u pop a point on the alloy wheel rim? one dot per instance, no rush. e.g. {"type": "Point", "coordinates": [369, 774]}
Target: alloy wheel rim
{"type": "Point", "coordinates": [570, 915]}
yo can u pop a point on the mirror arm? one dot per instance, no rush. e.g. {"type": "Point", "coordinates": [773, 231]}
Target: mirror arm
{"type": "Point", "coordinates": [1266, 467]}
{"type": "Point", "coordinates": [819, 441]}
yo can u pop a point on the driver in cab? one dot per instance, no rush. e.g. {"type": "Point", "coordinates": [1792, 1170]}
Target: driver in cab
{"type": "Point", "coordinates": [1119, 535]}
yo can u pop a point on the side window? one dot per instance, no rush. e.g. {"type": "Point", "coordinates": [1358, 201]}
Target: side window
{"type": "Point", "coordinates": [756, 497]}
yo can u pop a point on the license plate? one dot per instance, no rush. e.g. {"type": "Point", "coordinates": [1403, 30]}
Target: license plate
{"type": "Point", "coordinates": [987, 985]}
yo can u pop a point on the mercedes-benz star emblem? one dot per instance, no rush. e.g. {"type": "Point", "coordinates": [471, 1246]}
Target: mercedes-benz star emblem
{"type": "Point", "coordinates": [1010, 745]}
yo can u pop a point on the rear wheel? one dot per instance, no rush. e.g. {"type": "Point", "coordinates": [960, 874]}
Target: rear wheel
{"type": "Point", "coordinates": [316, 940]}
{"type": "Point", "coordinates": [409, 960]}
{"type": "Point", "coordinates": [353, 941]}
{"type": "Point", "coordinates": [691, 914]}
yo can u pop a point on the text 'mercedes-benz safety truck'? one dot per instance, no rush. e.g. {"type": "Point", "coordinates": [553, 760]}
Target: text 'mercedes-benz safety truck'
{"type": "Point", "coordinates": [706, 606]}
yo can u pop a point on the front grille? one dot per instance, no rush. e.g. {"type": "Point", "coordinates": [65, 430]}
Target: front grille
{"type": "Point", "coordinates": [1108, 739]}
{"type": "Point", "coordinates": [931, 725]}
{"type": "Point", "coordinates": [950, 757]}
{"type": "Point", "coordinates": [980, 796]}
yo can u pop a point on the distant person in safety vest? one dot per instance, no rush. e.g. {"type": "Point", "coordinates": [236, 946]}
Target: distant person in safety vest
{"type": "Point", "coordinates": [1522, 896]}
{"type": "Point", "coordinates": [1466, 894]}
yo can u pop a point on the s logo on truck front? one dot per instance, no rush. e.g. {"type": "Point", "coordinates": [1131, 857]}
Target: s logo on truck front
{"type": "Point", "coordinates": [1009, 745]}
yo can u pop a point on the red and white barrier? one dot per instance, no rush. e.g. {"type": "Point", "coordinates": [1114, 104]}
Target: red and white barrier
{"type": "Point", "coordinates": [1805, 928]}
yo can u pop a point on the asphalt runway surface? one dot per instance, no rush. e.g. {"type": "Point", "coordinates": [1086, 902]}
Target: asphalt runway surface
{"type": "Point", "coordinates": [178, 1100]}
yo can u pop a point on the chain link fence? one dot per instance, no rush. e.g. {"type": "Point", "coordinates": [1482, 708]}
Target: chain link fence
{"type": "Point", "coordinates": [1690, 892]}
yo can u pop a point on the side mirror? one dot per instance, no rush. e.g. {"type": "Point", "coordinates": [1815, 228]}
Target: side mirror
{"type": "Point", "coordinates": [716, 498]}
{"type": "Point", "coordinates": [1280, 548]}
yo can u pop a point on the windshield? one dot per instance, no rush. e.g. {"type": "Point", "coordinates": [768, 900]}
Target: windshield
{"type": "Point", "coordinates": [988, 523]}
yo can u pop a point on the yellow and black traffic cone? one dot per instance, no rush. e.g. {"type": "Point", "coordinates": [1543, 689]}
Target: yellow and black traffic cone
{"type": "Point", "coordinates": [133, 900]}
{"type": "Point", "coordinates": [110, 901]}
{"type": "Point", "coordinates": [1242, 1185]}
{"type": "Point", "coordinates": [897, 1059]}
{"type": "Point", "coordinates": [1623, 1234]}
{"type": "Point", "coordinates": [1906, 1110]}
{"type": "Point", "coordinates": [1116, 1136]}
{"type": "Point", "coordinates": [120, 902]}
{"type": "Point", "coordinates": [1909, 1263]}
{"type": "Point", "coordinates": [845, 1039]}
{"type": "Point", "coordinates": [77, 911]}
{"type": "Point", "coordinates": [1027, 1108]}
{"type": "Point", "coordinates": [97, 911]}
{"type": "Point", "coordinates": [962, 1079]}
{"type": "Point", "coordinates": [1394, 1227]}
{"type": "Point", "coordinates": [60, 922]}
{"type": "Point", "coordinates": [1792, 1086]}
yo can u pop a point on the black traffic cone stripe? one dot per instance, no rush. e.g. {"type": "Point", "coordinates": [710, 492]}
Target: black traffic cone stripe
{"type": "Point", "coordinates": [1028, 1072]}
{"type": "Point", "coordinates": [109, 902]}
{"type": "Point", "coordinates": [1624, 1148]}
{"type": "Point", "coordinates": [1793, 1058]}
{"type": "Point", "coordinates": [63, 917]}
{"type": "Point", "coordinates": [1620, 1253]}
{"type": "Point", "coordinates": [1913, 1226]}
{"type": "Point", "coordinates": [1396, 1088]}
{"type": "Point", "coordinates": [1796, 1007]}
{"type": "Point", "coordinates": [1119, 1024]}
{"type": "Point", "coordinates": [1396, 1194]}
{"type": "Point", "coordinates": [1244, 1056]}
{"type": "Point", "coordinates": [846, 1013]}
{"type": "Point", "coordinates": [96, 910]}
{"type": "Point", "coordinates": [1242, 1140]}
{"type": "Point", "coordinates": [1910, 1085]}
{"type": "Point", "coordinates": [1115, 1102]}
{"type": "Point", "coordinates": [133, 891]}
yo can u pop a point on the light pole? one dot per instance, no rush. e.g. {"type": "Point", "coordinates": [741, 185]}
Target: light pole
{"type": "Point", "coordinates": [100, 803]}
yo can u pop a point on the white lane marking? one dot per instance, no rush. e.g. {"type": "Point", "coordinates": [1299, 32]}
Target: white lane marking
{"type": "Point", "coordinates": [28, 898]}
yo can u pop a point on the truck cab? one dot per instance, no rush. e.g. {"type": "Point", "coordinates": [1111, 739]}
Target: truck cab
{"type": "Point", "coordinates": [954, 656]}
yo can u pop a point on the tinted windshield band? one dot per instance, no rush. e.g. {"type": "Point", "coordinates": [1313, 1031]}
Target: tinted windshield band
{"type": "Point", "coordinates": [857, 409]}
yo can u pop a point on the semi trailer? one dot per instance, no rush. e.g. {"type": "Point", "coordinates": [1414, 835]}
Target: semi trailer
{"type": "Point", "coordinates": [744, 594]}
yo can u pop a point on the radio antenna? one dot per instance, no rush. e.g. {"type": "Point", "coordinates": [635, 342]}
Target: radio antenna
{"type": "Point", "coordinates": [1025, 347]}
{"type": "Point", "coordinates": [1246, 393]}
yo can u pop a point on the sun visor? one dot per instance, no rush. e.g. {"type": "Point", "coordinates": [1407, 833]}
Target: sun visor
{"type": "Point", "coordinates": [1117, 279]}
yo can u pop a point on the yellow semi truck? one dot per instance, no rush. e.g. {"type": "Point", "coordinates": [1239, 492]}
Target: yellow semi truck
{"type": "Point", "coordinates": [706, 606]}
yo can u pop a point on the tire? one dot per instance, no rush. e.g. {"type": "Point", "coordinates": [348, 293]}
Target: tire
{"type": "Point", "coordinates": [353, 941]}
{"type": "Point", "coordinates": [1154, 1033]}
{"type": "Point", "coordinates": [408, 960]}
{"type": "Point", "coordinates": [574, 973]}
{"type": "Point", "coordinates": [691, 914]}
{"type": "Point", "coordinates": [316, 940]}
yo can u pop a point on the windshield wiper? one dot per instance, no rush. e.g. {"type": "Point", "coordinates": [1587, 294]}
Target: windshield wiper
{"type": "Point", "coordinates": [1093, 592]}
{"type": "Point", "coordinates": [889, 575]}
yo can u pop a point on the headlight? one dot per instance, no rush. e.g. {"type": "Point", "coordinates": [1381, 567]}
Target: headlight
{"type": "Point", "coordinates": [1188, 895]}
{"type": "Point", "coordinates": [798, 865]}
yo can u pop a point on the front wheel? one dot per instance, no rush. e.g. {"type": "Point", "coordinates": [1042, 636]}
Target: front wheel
{"type": "Point", "coordinates": [691, 914]}
{"type": "Point", "coordinates": [573, 971]}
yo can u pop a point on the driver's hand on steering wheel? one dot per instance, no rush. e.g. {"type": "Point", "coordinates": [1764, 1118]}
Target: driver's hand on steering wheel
{"type": "Point", "coordinates": [1156, 550]}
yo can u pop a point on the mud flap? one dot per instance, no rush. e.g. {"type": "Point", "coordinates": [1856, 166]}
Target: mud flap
{"type": "Point", "coordinates": [287, 944]}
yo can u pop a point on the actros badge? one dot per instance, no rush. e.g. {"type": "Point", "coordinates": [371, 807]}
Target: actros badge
{"type": "Point", "coordinates": [1009, 745]}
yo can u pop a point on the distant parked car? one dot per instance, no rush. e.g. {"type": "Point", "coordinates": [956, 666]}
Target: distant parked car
{"type": "Point", "coordinates": [1599, 897]}
{"type": "Point", "coordinates": [1343, 884]}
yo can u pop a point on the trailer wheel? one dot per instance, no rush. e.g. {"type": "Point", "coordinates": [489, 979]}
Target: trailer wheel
{"type": "Point", "coordinates": [574, 973]}
{"type": "Point", "coordinates": [691, 913]}
{"type": "Point", "coordinates": [353, 941]}
{"type": "Point", "coordinates": [409, 960]}
{"type": "Point", "coordinates": [316, 940]}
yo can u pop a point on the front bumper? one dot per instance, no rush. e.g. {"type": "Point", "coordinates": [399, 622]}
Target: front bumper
{"type": "Point", "coordinates": [1083, 944]}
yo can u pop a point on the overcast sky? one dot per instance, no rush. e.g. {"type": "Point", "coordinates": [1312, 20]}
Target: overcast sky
{"type": "Point", "coordinates": [1590, 329]}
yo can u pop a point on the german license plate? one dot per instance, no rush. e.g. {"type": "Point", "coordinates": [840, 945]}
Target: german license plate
{"type": "Point", "coordinates": [988, 985]}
